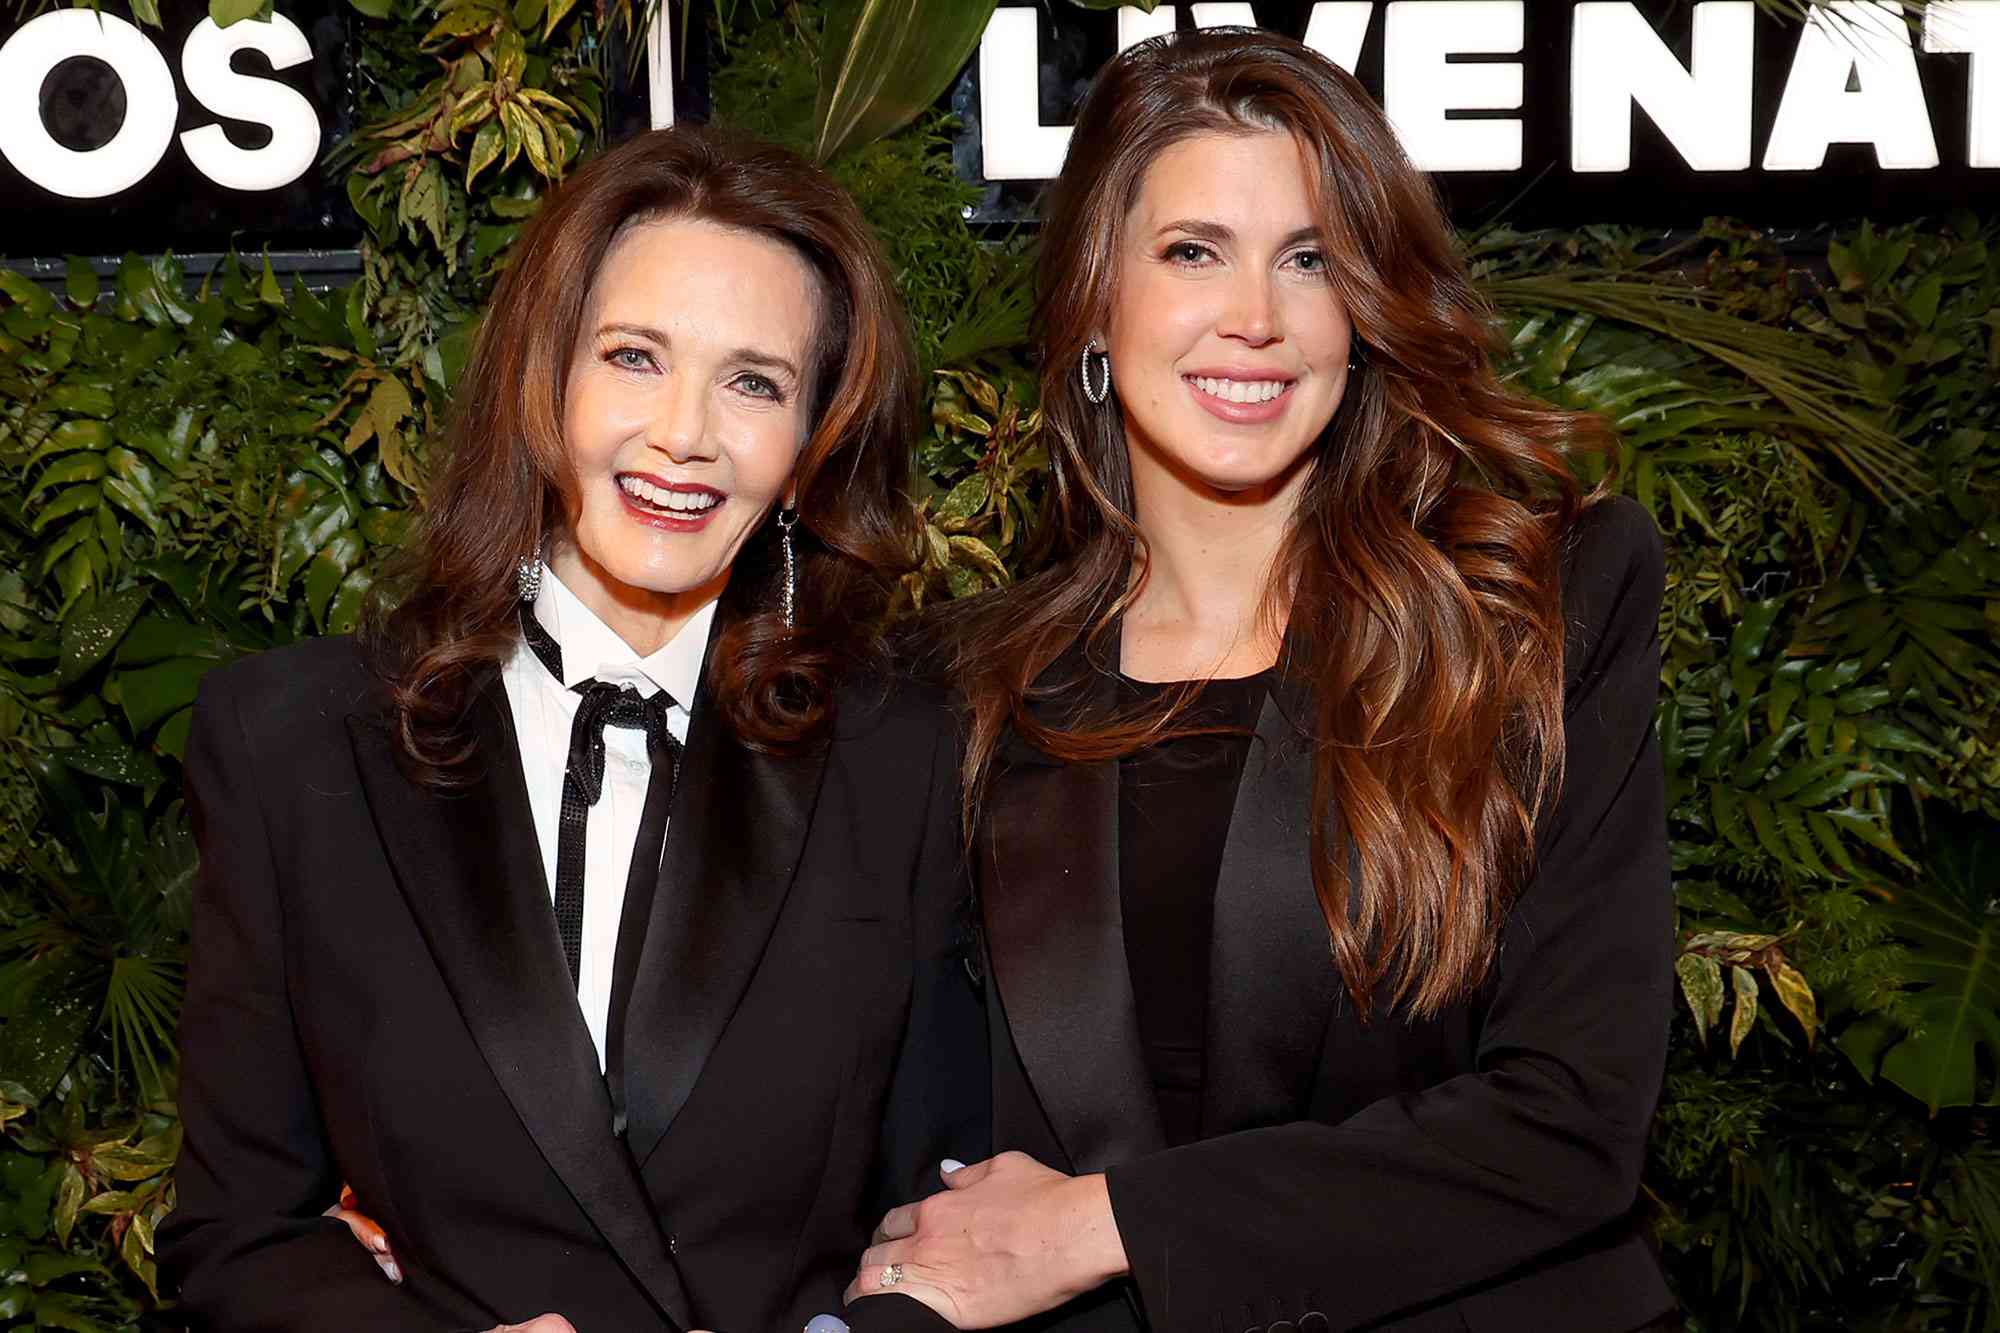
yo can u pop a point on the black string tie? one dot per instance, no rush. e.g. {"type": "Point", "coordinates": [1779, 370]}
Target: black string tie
{"type": "Point", "coordinates": [602, 705]}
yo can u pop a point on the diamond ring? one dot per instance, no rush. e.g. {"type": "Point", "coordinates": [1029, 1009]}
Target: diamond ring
{"type": "Point", "coordinates": [892, 1274]}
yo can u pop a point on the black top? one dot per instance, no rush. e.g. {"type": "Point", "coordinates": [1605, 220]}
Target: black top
{"type": "Point", "coordinates": [1174, 804]}
{"type": "Point", "coordinates": [1475, 1169]}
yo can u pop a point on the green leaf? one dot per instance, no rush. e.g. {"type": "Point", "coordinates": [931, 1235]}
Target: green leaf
{"type": "Point", "coordinates": [113, 760]}
{"type": "Point", "coordinates": [75, 500]}
{"type": "Point", "coordinates": [374, 9]}
{"type": "Point", "coordinates": [26, 293]}
{"type": "Point", "coordinates": [882, 62]}
{"type": "Point", "coordinates": [150, 694]}
{"type": "Point", "coordinates": [226, 12]}
{"type": "Point", "coordinates": [1946, 921]}
{"type": "Point", "coordinates": [73, 469]}
{"type": "Point", "coordinates": [89, 635]}
{"type": "Point", "coordinates": [71, 436]}
{"type": "Point", "coordinates": [423, 202]}
{"type": "Point", "coordinates": [326, 571]}
{"type": "Point", "coordinates": [38, 1044]}
{"type": "Point", "coordinates": [1922, 302]}
{"type": "Point", "coordinates": [344, 615]}
{"type": "Point", "coordinates": [43, 1269]}
{"type": "Point", "coordinates": [86, 399]}
{"type": "Point", "coordinates": [82, 283]}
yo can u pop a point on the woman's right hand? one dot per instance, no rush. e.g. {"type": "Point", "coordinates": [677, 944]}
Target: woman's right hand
{"type": "Point", "coordinates": [373, 1239]}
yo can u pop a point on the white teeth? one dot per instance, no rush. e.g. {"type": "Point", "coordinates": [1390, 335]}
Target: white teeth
{"type": "Point", "coordinates": [1239, 391]}
{"type": "Point", "coordinates": [659, 497]}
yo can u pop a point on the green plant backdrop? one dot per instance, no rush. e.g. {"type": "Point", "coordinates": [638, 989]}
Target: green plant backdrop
{"type": "Point", "coordinates": [190, 472]}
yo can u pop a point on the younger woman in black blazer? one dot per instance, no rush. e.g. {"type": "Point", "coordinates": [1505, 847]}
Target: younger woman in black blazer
{"type": "Point", "coordinates": [1320, 842]}
{"type": "Point", "coordinates": [596, 918]}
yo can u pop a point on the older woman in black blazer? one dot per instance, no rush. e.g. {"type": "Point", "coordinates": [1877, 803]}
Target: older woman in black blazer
{"type": "Point", "coordinates": [1320, 842]}
{"type": "Point", "coordinates": [595, 918]}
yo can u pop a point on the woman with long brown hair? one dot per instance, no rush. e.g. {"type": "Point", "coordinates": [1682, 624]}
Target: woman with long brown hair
{"type": "Point", "coordinates": [1318, 822]}
{"type": "Point", "coordinates": [595, 916]}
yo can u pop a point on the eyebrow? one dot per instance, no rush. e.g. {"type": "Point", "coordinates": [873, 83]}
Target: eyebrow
{"type": "Point", "coordinates": [1216, 231]}
{"type": "Point", "coordinates": [750, 356]}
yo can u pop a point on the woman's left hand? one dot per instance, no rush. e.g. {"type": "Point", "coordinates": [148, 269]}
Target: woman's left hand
{"type": "Point", "coordinates": [1007, 1239]}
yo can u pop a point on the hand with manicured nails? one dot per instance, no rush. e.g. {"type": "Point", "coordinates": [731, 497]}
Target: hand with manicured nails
{"type": "Point", "coordinates": [365, 1231]}
{"type": "Point", "coordinates": [376, 1241]}
{"type": "Point", "coordinates": [1008, 1238]}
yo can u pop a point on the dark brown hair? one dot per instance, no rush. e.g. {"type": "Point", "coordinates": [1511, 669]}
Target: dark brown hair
{"type": "Point", "coordinates": [501, 490]}
{"type": "Point", "coordinates": [1420, 568]}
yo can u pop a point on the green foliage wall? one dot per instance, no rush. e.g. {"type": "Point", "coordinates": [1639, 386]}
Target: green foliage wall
{"type": "Point", "coordinates": [189, 473]}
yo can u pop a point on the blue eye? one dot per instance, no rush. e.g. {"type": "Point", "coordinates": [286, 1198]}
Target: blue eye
{"type": "Point", "coordinates": [1310, 261]}
{"type": "Point", "coordinates": [1188, 252]}
{"type": "Point", "coordinates": [630, 358]}
{"type": "Point", "coordinates": [761, 387]}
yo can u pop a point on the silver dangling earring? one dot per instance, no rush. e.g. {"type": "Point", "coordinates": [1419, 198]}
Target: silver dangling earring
{"type": "Point", "coordinates": [1102, 390]}
{"type": "Point", "coordinates": [528, 575]}
{"type": "Point", "coordinates": [787, 520]}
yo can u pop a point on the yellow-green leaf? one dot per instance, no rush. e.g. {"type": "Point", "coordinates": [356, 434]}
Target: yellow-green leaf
{"type": "Point", "coordinates": [486, 147]}
{"type": "Point", "coordinates": [558, 11]}
{"type": "Point", "coordinates": [1731, 941]}
{"type": "Point", "coordinates": [388, 406]}
{"type": "Point", "coordinates": [1744, 982]}
{"type": "Point", "coordinates": [69, 1201]}
{"type": "Point", "coordinates": [1795, 993]}
{"type": "Point", "coordinates": [977, 553]}
{"type": "Point", "coordinates": [1701, 984]}
{"type": "Point", "coordinates": [966, 499]}
{"type": "Point", "coordinates": [112, 1202]}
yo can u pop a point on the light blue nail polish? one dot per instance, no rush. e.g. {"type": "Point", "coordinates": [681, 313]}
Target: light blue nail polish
{"type": "Point", "coordinates": [951, 1164]}
{"type": "Point", "coordinates": [826, 1323]}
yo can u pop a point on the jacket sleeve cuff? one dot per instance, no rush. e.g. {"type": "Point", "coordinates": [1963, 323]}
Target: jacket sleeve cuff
{"type": "Point", "coordinates": [892, 1312]}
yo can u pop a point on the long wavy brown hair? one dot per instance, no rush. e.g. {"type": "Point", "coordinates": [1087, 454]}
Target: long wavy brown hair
{"type": "Point", "coordinates": [500, 493]}
{"type": "Point", "coordinates": [1417, 582]}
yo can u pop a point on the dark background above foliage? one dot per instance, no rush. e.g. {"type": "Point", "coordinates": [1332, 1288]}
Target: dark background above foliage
{"type": "Point", "coordinates": [190, 471]}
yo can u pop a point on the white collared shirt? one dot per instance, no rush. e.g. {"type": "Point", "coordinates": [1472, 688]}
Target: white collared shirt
{"type": "Point", "coordinates": [543, 710]}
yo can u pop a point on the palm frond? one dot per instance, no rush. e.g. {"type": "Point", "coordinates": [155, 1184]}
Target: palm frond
{"type": "Point", "coordinates": [142, 997]}
{"type": "Point", "coordinates": [1817, 393]}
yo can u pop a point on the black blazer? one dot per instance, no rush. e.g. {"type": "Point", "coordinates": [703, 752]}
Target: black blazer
{"type": "Point", "coordinates": [377, 994]}
{"type": "Point", "coordinates": [1477, 1171]}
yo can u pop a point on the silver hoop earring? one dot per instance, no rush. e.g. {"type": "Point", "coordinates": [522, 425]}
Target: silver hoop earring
{"type": "Point", "coordinates": [528, 575]}
{"type": "Point", "coordinates": [1102, 390]}
{"type": "Point", "coordinates": [787, 520]}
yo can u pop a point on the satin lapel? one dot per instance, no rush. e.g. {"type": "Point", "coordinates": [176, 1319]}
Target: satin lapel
{"type": "Point", "coordinates": [1272, 983]}
{"type": "Point", "coordinates": [472, 872]}
{"type": "Point", "coordinates": [738, 827]}
{"type": "Point", "coordinates": [1056, 937]}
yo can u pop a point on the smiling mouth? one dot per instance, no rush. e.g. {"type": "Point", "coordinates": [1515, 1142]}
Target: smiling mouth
{"type": "Point", "coordinates": [1239, 391]}
{"type": "Point", "coordinates": [673, 501]}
